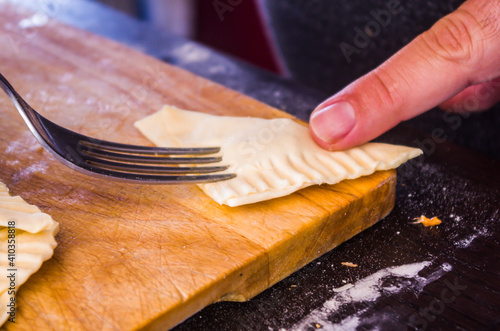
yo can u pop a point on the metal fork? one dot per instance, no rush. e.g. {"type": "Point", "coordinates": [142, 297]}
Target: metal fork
{"type": "Point", "coordinates": [110, 160]}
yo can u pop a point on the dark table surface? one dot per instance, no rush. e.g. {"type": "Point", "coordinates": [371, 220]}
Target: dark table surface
{"type": "Point", "coordinates": [408, 276]}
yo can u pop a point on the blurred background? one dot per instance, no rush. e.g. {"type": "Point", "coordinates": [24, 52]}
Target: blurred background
{"type": "Point", "coordinates": [233, 27]}
{"type": "Point", "coordinates": [300, 39]}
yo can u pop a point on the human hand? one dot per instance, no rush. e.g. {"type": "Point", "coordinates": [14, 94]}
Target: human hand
{"type": "Point", "coordinates": [455, 64]}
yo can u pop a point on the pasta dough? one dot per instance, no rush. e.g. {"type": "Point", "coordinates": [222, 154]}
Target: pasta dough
{"type": "Point", "coordinates": [272, 158]}
{"type": "Point", "coordinates": [34, 243]}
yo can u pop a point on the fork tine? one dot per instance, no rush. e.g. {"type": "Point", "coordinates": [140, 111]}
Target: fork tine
{"type": "Point", "coordinates": [147, 150]}
{"type": "Point", "coordinates": [97, 158]}
{"type": "Point", "coordinates": [161, 179]}
{"type": "Point", "coordinates": [144, 169]}
{"type": "Point", "coordinates": [136, 158]}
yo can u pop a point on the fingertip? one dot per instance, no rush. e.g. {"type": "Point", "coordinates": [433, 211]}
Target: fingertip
{"type": "Point", "coordinates": [332, 122]}
{"type": "Point", "coordinates": [323, 144]}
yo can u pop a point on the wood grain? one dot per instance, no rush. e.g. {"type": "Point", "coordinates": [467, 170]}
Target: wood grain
{"type": "Point", "coordinates": [138, 256]}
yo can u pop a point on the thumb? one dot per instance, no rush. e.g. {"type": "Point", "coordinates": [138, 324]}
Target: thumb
{"type": "Point", "coordinates": [459, 50]}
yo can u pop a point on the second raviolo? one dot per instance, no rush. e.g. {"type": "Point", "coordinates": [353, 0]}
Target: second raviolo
{"type": "Point", "coordinates": [271, 157]}
{"type": "Point", "coordinates": [26, 241]}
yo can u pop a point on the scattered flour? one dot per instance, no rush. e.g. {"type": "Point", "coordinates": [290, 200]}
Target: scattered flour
{"type": "Point", "coordinates": [218, 69]}
{"type": "Point", "coordinates": [14, 147]}
{"type": "Point", "coordinates": [35, 21]}
{"type": "Point", "coordinates": [66, 77]}
{"type": "Point", "coordinates": [466, 241]}
{"type": "Point", "coordinates": [39, 167]}
{"type": "Point", "coordinates": [25, 142]}
{"type": "Point", "coordinates": [456, 218]}
{"type": "Point", "coordinates": [28, 149]}
{"type": "Point", "coordinates": [369, 289]}
{"type": "Point", "coordinates": [190, 53]}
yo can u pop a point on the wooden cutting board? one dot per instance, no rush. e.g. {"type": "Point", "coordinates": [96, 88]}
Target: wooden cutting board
{"type": "Point", "coordinates": [136, 256]}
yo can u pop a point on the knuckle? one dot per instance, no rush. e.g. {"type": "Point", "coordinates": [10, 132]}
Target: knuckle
{"type": "Point", "coordinates": [387, 88]}
{"type": "Point", "coordinates": [456, 38]}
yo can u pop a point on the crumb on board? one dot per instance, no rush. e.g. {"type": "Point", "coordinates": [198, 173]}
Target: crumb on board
{"type": "Point", "coordinates": [293, 285]}
{"type": "Point", "coordinates": [317, 326]}
{"type": "Point", "coordinates": [349, 264]}
{"type": "Point", "coordinates": [427, 221]}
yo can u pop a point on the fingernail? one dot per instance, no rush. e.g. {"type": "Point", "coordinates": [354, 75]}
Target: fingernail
{"type": "Point", "coordinates": [332, 123]}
